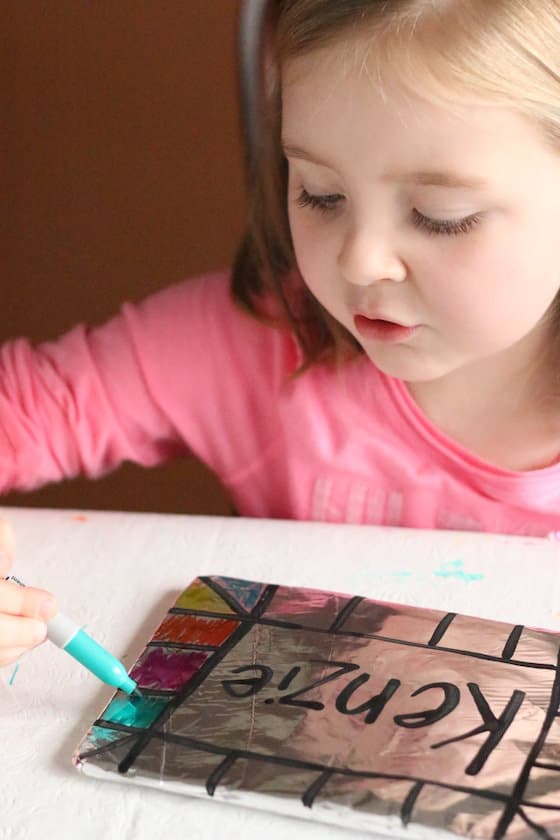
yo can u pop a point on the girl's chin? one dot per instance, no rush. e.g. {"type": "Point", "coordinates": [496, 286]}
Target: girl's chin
{"type": "Point", "coordinates": [410, 367]}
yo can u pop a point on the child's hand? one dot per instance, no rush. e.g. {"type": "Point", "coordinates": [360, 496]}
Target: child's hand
{"type": "Point", "coordinates": [23, 610]}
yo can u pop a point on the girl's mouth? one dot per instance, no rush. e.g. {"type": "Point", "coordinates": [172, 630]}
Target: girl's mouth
{"type": "Point", "coordinates": [387, 332]}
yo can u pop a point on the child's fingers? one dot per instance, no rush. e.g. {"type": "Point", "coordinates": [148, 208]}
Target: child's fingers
{"type": "Point", "coordinates": [20, 600]}
{"type": "Point", "coordinates": [26, 601]}
{"type": "Point", "coordinates": [23, 610]}
{"type": "Point", "coordinates": [6, 563]}
{"type": "Point", "coordinates": [10, 655]}
{"type": "Point", "coordinates": [16, 631]}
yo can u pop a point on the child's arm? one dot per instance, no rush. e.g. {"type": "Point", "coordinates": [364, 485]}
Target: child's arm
{"type": "Point", "coordinates": [182, 372]}
{"type": "Point", "coordinates": [23, 610]}
{"type": "Point", "coordinates": [81, 404]}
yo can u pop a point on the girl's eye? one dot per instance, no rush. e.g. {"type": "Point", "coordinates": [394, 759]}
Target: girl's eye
{"type": "Point", "coordinates": [323, 203]}
{"type": "Point", "coordinates": [442, 227]}
{"type": "Point", "coordinates": [445, 227]}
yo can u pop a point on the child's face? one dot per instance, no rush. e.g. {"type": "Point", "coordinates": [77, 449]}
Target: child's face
{"type": "Point", "coordinates": [360, 220]}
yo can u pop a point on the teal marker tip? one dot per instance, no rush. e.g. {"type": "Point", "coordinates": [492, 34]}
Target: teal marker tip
{"type": "Point", "coordinates": [100, 662]}
{"type": "Point", "coordinates": [68, 636]}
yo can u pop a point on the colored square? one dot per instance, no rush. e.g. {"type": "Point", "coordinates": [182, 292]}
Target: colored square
{"type": "Point", "coordinates": [194, 630]}
{"type": "Point", "coordinates": [167, 669]}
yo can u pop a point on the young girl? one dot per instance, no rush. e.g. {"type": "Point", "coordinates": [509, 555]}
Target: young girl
{"type": "Point", "coordinates": [394, 358]}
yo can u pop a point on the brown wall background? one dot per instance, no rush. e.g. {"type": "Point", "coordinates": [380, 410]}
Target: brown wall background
{"type": "Point", "coordinates": [122, 172]}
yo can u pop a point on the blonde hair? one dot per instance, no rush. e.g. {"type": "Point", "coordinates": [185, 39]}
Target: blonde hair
{"type": "Point", "coordinates": [504, 51]}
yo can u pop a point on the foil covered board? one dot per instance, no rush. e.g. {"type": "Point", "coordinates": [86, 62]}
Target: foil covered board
{"type": "Point", "coordinates": [382, 717]}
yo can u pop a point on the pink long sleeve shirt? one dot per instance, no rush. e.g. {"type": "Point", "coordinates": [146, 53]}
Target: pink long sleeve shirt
{"type": "Point", "coordinates": [185, 371]}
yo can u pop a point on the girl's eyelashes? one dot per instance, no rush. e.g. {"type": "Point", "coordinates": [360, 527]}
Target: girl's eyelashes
{"type": "Point", "coordinates": [323, 203]}
{"type": "Point", "coordinates": [442, 227]}
{"type": "Point", "coordinates": [447, 227]}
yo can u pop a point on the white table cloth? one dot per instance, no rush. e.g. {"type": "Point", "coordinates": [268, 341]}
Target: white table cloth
{"type": "Point", "coordinates": [117, 573]}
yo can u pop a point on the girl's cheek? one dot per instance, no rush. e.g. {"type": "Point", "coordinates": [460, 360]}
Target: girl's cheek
{"type": "Point", "coordinates": [449, 287]}
{"type": "Point", "coordinates": [308, 239]}
{"type": "Point", "coordinates": [301, 226]}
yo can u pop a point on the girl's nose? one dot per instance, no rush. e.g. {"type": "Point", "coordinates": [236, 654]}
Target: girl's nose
{"type": "Point", "coordinates": [367, 258]}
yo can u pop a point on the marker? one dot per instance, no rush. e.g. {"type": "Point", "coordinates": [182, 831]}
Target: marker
{"type": "Point", "coordinates": [69, 636]}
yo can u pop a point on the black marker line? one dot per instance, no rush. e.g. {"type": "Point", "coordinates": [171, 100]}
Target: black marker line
{"type": "Point", "coordinates": [543, 806]}
{"type": "Point", "coordinates": [264, 602]}
{"type": "Point", "coordinates": [157, 692]}
{"type": "Point", "coordinates": [511, 807]}
{"type": "Point", "coordinates": [85, 756]}
{"type": "Point", "coordinates": [410, 802]}
{"type": "Point", "coordinates": [205, 747]}
{"type": "Point", "coordinates": [345, 613]}
{"type": "Point", "coordinates": [344, 634]}
{"type": "Point", "coordinates": [118, 727]}
{"type": "Point", "coordinates": [288, 678]}
{"type": "Point", "coordinates": [496, 727]}
{"type": "Point", "coordinates": [544, 765]}
{"type": "Point", "coordinates": [473, 654]}
{"type": "Point", "coordinates": [441, 629]}
{"type": "Point", "coordinates": [276, 622]}
{"type": "Point", "coordinates": [218, 774]}
{"type": "Point", "coordinates": [511, 645]}
{"type": "Point", "coordinates": [202, 746]}
{"type": "Point", "coordinates": [222, 593]}
{"type": "Point", "coordinates": [539, 830]}
{"type": "Point", "coordinates": [207, 613]}
{"type": "Point", "coordinates": [230, 643]}
{"type": "Point", "coordinates": [182, 646]}
{"type": "Point", "coordinates": [520, 786]}
{"type": "Point", "coordinates": [342, 668]}
{"type": "Point", "coordinates": [315, 788]}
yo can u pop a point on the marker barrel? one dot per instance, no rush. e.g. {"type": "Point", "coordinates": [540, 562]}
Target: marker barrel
{"type": "Point", "coordinates": [69, 636]}
{"type": "Point", "coordinates": [99, 661]}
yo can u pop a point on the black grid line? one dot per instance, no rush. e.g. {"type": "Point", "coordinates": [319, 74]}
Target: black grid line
{"type": "Point", "coordinates": [222, 593]}
{"type": "Point", "coordinates": [119, 742]}
{"type": "Point", "coordinates": [441, 629]}
{"type": "Point", "coordinates": [287, 625]}
{"type": "Point", "coordinates": [233, 617]}
{"type": "Point", "coordinates": [539, 830]}
{"type": "Point", "coordinates": [139, 737]}
{"type": "Point", "coordinates": [182, 646]}
{"type": "Point", "coordinates": [545, 765]}
{"type": "Point", "coordinates": [299, 764]}
{"type": "Point", "coordinates": [218, 774]}
{"type": "Point", "coordinates": [310, 795]}
{"type": "Point", "coordinates": [410, 802]}
{"type": "Point", "coordinates": [158, 692]}
{"type": "Point", "coordinates": [511, 645]}
{"type": "Point", "coordinates": [514, 802]}
{"type": "Point", "coordinates": [543, 806]}
{"type": "Point", "coordinates": [345, 613]}
{"type": "Point", "coordinates": [242, 630]}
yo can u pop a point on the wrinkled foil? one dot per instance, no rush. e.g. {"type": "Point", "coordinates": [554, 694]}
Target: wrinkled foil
{"type": "Point", "coordinates": [369, 714]}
